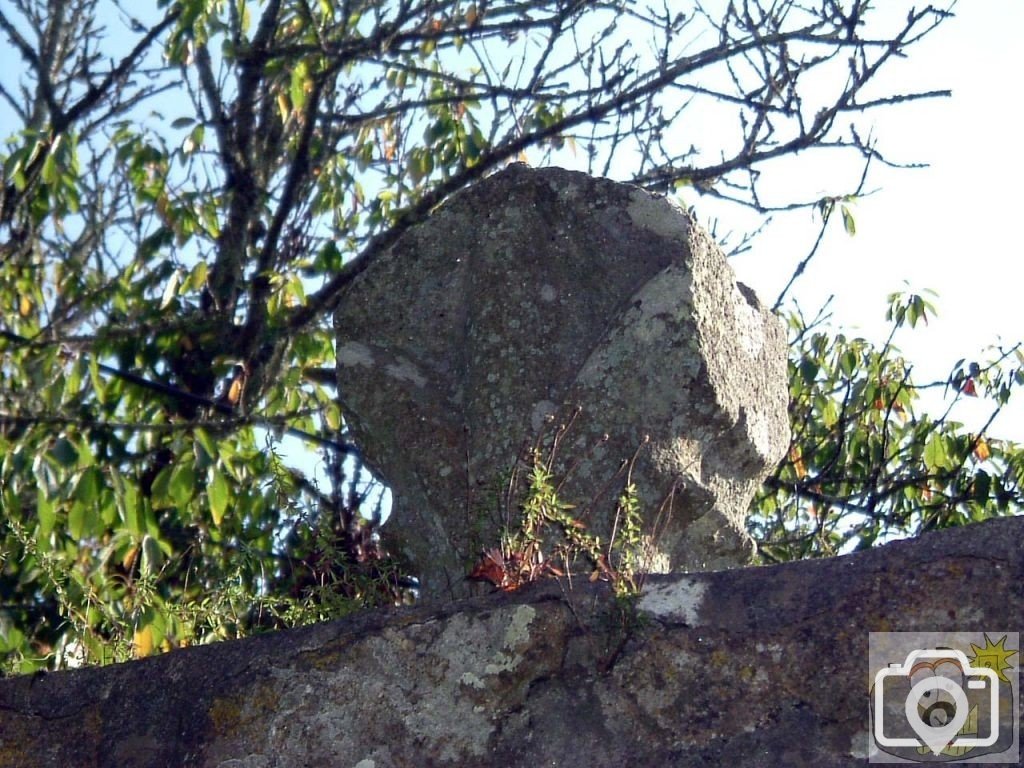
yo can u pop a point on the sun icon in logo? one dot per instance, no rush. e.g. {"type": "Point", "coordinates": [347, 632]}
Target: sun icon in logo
{"type": "Point", "coordinates": [994, 656]}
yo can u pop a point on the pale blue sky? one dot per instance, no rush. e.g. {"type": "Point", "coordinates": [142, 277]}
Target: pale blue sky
{"type": "Point", "coordinates": [953, 227]}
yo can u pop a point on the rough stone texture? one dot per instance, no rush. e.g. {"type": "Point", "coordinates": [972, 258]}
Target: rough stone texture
{"type": "Point", "coordinates": [748, 667]}
{"type": "Point", "coordinates": [531, 294]}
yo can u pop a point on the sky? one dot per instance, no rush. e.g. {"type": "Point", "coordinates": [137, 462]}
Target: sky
{"type": "Point", "coordinates": [951, 227]}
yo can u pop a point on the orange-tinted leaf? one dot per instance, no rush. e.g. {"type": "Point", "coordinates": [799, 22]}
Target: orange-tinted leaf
{"type": "Point", "coordinates": [142, 642]}
{"type": "Point", "coordinates": [796, 458]}
{"type": "Point", "coordinates": [981, 450]}
{"type": "Point", "coordinates": [491, 567]}
{"type": "Point", "coordinates": [130, 558]}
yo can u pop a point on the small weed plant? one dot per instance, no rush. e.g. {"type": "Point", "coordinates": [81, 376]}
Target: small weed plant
{"type": "Point", "coordinates": [545, 536]}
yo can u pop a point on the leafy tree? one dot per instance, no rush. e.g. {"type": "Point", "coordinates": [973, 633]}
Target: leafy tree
{"type": "Point", "coordinates": [864, 466]}
{"type": "Point", "coordinates": [186, 189]}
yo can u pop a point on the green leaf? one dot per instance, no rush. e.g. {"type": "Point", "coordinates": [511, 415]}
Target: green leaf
{"type": "Point", "coordinates": [87, 489]}
{"type": "Point", "coordinates": [107, 508]}
{"type": "Point", "coordinates": [245, 14]}
{"type": "Point", "coordinates": [63, 451]}
{"type": "Point", "coordinates": [83, 521]}
{"type": "Point", "coordinates": [301, 85]}
{"type": "Point", "coordinates": [73, 382]}
{"type": "Point", "coordinates": [935, 455]}
{"type": "Point", "coordinates": [50, 170]}
{"type": "Point", "coordinates": [46, 510]}
{"type": "Point", "coordinates": [98, 385]}
{"type": "Point", "coordinates": [45, 477]}
{"type": "Point", "coordinates": [131, 507]}
{"type": "Point", "coordinates": [848, 362]}
{"type": "Point", "coordinates": [848, 223]}
{"type": "Point", "coordinates": [182, 484]}
{"type": "Point", "coordinates": [809, 370]}
{"type": "Point", "coordinates": [86, 458]}
{"type": "Point", "coordinates": [218, 492]}
{"type": "Point", "coordinates": [982, 486]}
{"type": "Point", "coordinates": [206, 443]}
{"type": "Point", "coordinates": [171, 289]}
{"type": "Point", "coordinates": [332, 417]}
{"type": "Point", "coordinates": [196, 279]}
{"type": "Point", "coordinates": [152, 556]}
{"type": "Point", "coordinates": [159, 492]}
{"type": "Point", "coordinates": [11, 639]}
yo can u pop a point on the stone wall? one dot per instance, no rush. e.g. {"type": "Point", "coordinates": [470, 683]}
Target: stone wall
{"type": "Point", "coordinates": [748, 667]}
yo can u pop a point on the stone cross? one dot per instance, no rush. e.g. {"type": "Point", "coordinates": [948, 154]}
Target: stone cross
{"type": "Point", "coordinates": [537, 295]}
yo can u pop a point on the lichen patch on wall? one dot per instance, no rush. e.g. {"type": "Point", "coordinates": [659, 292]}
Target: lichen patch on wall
{"type": "Point", "coordinates": [679, 601]}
